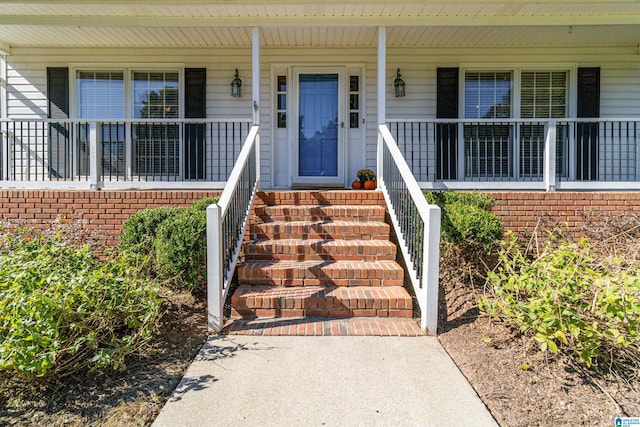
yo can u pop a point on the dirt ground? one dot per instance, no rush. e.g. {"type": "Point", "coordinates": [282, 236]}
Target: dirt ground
{"type": "Point", "coordinates": [544, 393]}
{"type": "Point", "coordinates": [129, 398]}
{"type": "Point", "coordinates": [518, 385]}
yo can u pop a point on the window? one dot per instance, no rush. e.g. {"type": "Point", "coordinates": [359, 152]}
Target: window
{"type": "Point", "coordinates": [156, 146]}
{"type": "Point", "coordinates": [502, 150]}
{"type": "Point", "coordinates": [101, 96]}
{"type": "Point", "coordinates": [281, 108]}
{"type": "Point", "coordinates": [354, 102]}
{"type": "Point", "coordinates": [487, 146]}
{"type": "Point", "coordinates": [543, 96]}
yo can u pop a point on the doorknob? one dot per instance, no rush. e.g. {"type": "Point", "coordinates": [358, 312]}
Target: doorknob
{"type": "Point", "coordinates": [342, 124]}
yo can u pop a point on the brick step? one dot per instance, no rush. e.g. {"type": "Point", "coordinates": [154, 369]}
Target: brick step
{"type": "Point", "coordinates": [320, 197]}
{"type": "Point", "coordinates": [334, 230]}
{"type": "Point", "coordinates": [320, 213]}
{"type": "Point", "coordinates": [319, 249]}
{"type": "Point", "coordinates": [332, 301]}
{"type": "Point", "coordinates": [320, 273]}
{"type": "Point", "coordinates": [314, 326]}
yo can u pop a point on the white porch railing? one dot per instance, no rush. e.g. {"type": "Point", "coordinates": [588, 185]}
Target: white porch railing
{"type": "Point", "coordinates": [526, 154]}
{"type": "Point", "coordinates": [417, 226]}
{"type": "Point", "coordinates": [159, 153]}
{"type": "Point", "coordinates": [226, 223]}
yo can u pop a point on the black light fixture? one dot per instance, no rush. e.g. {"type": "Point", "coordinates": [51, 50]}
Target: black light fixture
{"type": "Point", "coordinates": [398, 83]}
{"type": "Point", "coordinates": [236, 86]}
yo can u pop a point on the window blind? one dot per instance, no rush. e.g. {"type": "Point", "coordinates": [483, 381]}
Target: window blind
{"type": "Point", "coordinates": [543, 94]}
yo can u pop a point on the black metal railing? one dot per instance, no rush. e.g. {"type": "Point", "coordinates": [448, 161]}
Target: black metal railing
{"type": "Point", "coordinates": [598, 150]}
{"type": "Point", "coordinates": [45, 150]}
{"type": "Point", "coordinates": [187, 150]}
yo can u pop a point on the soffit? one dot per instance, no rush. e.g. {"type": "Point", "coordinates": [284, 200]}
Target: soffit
{"type": "Point", "coordinates": [199, 23]}
{"type": "Point", "coordinates": [305, 9]}
{"type": "Point", "coordinates": [150, 37]}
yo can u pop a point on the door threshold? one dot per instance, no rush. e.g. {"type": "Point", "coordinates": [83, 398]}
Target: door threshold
{"type": "Point", "coordinates": [304, 186]}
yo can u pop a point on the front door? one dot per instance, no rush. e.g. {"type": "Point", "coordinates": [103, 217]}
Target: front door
{"type": "Point", "coordinates": [319, 135]}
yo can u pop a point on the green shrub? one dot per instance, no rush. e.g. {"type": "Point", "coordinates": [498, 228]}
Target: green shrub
{"type": "Point", "coordinates": [181, 248]}
{"type": "Point", "coordinates": [472, 226]}
{"type": "Point", "coordinates": [174, 237]}
{"type": "Point", "coordinates": [570, 302]}
{"type": "Point", "coordinates": [62, 311]}
{"type": "Point", "coordinates": [140, 229]}
{"type": "Point", "coordinates": [467, 220]}
{"type": "Point", "coordinates": [202, 204]}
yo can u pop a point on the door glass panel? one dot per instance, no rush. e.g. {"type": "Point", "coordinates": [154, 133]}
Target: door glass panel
{"type": "Point", "coordinates": [318, 134]}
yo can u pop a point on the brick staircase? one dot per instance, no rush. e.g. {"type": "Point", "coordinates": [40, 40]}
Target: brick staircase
{"type": "Point", "coordinates": [320, 263]}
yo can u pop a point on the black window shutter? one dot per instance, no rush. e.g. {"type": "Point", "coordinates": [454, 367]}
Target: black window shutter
{"type": "Point", "coordinates": [587, 133]}
{"type": "Point", "coordinates": [58, 93]}
{"type": "Point", "coordinates": [447, 96]}
{"type": "Point", "coordinates": [195, 85]}
{"type": "Point", "coordinates": [58, 108]}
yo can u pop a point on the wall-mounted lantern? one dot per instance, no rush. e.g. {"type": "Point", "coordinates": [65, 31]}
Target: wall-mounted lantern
{"type": "Point", "coordinates": [398, 83]}
{"type": "Point", "coordinates": [236, 86]}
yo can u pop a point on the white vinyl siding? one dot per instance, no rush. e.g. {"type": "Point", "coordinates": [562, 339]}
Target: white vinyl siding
{"type": "Point", "coordinates": [620, 79]}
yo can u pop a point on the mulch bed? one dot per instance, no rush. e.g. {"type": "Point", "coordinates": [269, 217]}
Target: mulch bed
{"type": "Point", "coordinates": [133, 397]}
{"type": "Point", "coordinates": [519, 386]}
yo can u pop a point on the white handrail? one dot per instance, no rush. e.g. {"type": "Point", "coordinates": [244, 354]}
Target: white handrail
{"type": "Point", "coordinates": [221, 260]}
{"type": "Point", "coordinates": [234, 177]}
{"type": "Point", "coordinates": [425, 277]}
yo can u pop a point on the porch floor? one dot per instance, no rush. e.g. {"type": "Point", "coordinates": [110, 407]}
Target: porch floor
{"type": "Point", "coordinates": [322, 326]}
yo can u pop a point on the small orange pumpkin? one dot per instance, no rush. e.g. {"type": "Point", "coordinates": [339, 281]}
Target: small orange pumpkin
{"type": "Point", "coordinates": [370, 185]}
{"type": "Point", "coordinates": [356, 185]}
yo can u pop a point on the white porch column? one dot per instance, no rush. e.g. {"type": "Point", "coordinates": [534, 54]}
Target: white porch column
{"type": "Point", "coordinates": [255, 74]}
{"type": "Point", "coordinates": [3, 86]}
{"type": "Point", "coordinates": [382, 95]}
{"type": "Point", "coordinates": [382, 74]}
{"type": "Point", "coordinates": [4, 114]}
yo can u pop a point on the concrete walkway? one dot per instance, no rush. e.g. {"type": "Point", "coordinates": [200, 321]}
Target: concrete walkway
{"type": "Point", "coordinates": [323, 381]}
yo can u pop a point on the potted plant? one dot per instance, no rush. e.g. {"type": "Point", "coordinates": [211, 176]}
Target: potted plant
{"type": "Point", "coordinates": [367, 178]}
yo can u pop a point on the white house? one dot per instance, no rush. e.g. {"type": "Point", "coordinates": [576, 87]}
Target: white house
{"type": "Point", "coordinates": [285, 94]}
{"type": "Point", "coordinates": [485, 84]}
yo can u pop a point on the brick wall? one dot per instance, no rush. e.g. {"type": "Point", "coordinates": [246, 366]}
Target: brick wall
{"type": "Point", "coordinates": [102, 212]}
{"type": "Point", "coordinates": [521, 211]}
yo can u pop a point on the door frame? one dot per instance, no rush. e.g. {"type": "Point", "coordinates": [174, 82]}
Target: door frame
{"type": "Point", "coordinates": [294, 129]}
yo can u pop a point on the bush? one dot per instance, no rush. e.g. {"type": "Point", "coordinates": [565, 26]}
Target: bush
{"type": "Point", "coordinates": [467, 220]}
{"type": "Point", "coordinates": [181, 248]}
{"type": "Point", "coordinates": [140, 229]}
{"type": "Point", "coordinates": [471, 226]}
{"type": "Point", "coordinates": [62, 311]}
{"type": "Point", "coordinates": [442, 198]}
{"type": "Point", "coordinates": [176, 239]}
{"type": "Point", "coordinates": [570, 303]}
{"type": "Point", "coordinates": [202, 204]}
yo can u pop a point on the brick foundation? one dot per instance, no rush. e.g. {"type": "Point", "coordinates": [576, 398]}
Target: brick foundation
{"type": "Point", "coordinates": [103, 212]}
{"type": "Point", "coordinates": [521, 211]}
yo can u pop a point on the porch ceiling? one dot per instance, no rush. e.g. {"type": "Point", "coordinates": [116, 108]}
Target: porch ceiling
{"type": "Point", "coordinates": [199, 23]}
